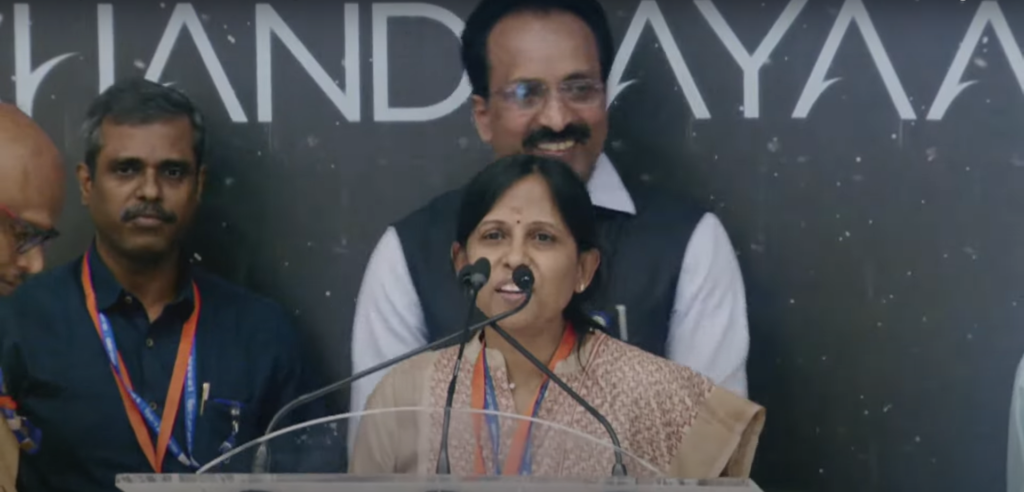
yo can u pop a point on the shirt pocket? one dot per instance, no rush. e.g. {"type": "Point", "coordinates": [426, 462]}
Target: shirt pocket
{"type": "Point", "coordinates": [227, 424]}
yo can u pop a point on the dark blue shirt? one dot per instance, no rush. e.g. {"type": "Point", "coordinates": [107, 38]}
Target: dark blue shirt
{"type": "Point", "coordinates": [58, 372]}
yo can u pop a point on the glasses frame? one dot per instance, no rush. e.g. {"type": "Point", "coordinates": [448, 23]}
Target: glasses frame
{"type": "Point", "coordinates": [27, 235]}
{"type": "Point", "coordinates": [508, 94]}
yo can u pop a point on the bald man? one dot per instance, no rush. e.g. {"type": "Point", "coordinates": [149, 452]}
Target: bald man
{"type": "Point", "coordinates": [31, 199]}
{"type": "Point", "coordinates": [31, 196]}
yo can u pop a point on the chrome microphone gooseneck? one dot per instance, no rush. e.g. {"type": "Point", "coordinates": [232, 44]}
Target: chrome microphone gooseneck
{"type": "Point", "coordinates": [262, 458]}
{"type": "Point", "coordinates": [473, 277]}
{"type": "Point", "coordinates": [523, 278]}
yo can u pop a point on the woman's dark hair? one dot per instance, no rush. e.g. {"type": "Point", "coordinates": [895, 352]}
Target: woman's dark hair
{"type": "Point", "coordinates": [571, 198]}
{"type": "Point", "coordinates": [489, 12]}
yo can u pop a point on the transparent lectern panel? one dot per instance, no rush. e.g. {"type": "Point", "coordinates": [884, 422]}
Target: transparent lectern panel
{"type": "Point", "coordinates": [414, 483]}
{"type": "Point", "coordinates": [408, 440]}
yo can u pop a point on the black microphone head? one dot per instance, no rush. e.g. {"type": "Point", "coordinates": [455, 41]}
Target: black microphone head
{"type": "Point", "coordinates": [475, 276]}
{"type": "Point", "coordinates": [481, 273]}
{"type": "Point", "coordinates": [523, 278]}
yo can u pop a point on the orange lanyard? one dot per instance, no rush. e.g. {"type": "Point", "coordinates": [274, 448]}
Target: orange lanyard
{"type": "Point", "coordinates": [155, 455]}
{"type": "Point", "coordinates": [520, 440]}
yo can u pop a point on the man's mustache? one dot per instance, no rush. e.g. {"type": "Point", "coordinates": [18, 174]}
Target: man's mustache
{"type": "Point", "coordinates": [149, 211]}
{"type": "Point", "coordinates": [572, 132]}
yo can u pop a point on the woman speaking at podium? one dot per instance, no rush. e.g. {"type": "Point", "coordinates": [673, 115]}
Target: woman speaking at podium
{"type": "Point", "coordinates": [533, 211]}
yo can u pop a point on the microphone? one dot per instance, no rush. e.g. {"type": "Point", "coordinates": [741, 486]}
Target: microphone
{"type": "Point", "coordinates": [523, 278]}
{"type": "Point", "coordinates": [474, 277]}
{"type": "Point", "coordinates": [262, 458]}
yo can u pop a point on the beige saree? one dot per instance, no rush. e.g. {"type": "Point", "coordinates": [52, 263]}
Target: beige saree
{"type": "Point", "coordinates": [10, 452]}
{"type": "Point", "coordinates": [664, 414]}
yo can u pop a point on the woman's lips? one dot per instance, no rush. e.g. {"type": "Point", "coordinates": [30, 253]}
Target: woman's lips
{"type": "Point", "coordinates": [510, 292]}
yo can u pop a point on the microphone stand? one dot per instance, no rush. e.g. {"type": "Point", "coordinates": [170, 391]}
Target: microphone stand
{"type": "Point", "coordinates": [474, 277]}
{"type": "Point", "coordinates": [619, 469]}
{"type": "Point", "coordinates": [262, 458]}
{"type": "Point", "coordinates": [443, 466]}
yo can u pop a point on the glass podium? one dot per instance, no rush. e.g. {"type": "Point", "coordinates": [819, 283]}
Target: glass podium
{"type": "Point", "coordinates": [397, 450]}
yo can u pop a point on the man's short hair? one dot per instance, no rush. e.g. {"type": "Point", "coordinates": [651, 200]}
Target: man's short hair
{"type": "Point", "coordinates": [489, 12]}
{"type": "Point", "coordinates": [138, 101]}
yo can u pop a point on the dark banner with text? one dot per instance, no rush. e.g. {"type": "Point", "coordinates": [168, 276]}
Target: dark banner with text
{"type": "Point", "coordinates": [864, 156]}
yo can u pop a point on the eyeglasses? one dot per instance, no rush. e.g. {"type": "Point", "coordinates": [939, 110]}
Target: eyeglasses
{"type": "Point", "coordinates": [27, 236]}
{"type": "Point", "coordinates": [529, 95]}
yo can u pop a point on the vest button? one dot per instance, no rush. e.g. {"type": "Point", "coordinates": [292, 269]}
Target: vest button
{"type": "Point", "coordinates": [149, 342]}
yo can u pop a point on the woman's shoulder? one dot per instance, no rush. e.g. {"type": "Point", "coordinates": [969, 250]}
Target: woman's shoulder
{"type": "Point", "coordinates": [721, 429]}
{"type": "Point", "coordinates": [403, 384]}
{"type": "Point", "coordinates": [406, 383]}
{"type": "Point", "coordinates": [650, 374]}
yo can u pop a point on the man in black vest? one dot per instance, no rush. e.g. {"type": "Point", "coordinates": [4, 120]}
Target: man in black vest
{"type": "Point", "coordinates": [670, 280]}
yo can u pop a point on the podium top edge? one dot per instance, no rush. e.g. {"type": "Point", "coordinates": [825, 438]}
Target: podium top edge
{"type": "Point", "coordinates": [124, 479]}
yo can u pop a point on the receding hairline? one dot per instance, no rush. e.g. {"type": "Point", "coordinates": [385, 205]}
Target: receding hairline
{"type": "Point", "coordinates": [113, 120]}
{"type": "Point", "coordinates": [505, 23]}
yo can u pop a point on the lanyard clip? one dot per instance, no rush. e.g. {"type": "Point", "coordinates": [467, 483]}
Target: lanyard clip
{"type": "Point", "coordinates": [235, 409]}
{"type": "Point", "coordinates": [27, 435]}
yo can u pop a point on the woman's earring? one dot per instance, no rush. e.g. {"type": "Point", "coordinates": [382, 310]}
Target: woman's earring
{"type": "Point", "coordinates": [582, 288]}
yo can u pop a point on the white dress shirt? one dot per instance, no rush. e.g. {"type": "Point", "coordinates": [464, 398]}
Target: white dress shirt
{"type": "Point", "coordinates": [707, 329]}
{"type": "Point", "coordinates": [1015, 449]}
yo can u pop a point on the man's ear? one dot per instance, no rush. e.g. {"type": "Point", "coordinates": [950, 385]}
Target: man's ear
{"type": "Point", "coordinates": [84, 181]}
{"type": "Point", "coordinates": [201, 184]}
{"type": "Point", "coordinates": [482, 119]}
{"type": "Point", "coordinates": [459, 259]}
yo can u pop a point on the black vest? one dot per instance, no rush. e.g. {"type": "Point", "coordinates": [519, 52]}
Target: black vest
{"type": "Point", "coordinates": [641, 257]}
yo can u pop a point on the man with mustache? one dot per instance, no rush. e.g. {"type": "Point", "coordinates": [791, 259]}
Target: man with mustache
{"type": "Point", "coordinates": [671, 283]}
{"type": "Point", "coordinates": [130, 359]}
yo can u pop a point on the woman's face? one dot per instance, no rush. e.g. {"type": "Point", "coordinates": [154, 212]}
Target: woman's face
{"type": "Point", "coordinates": [525, 228]}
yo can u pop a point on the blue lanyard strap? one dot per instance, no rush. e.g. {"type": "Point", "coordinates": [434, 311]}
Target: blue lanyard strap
{"type": "Point", "coordinates": [151, 418]}
{"type": "Point", "coordinates": [27, 435]}
{"type": "Point", "coordinates": [494, 428]}
{"type": "Point", "coordinates": [483, 397]}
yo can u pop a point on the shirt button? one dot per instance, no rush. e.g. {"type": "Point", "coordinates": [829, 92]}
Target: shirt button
{"type": "Point", "coordinates": [149, 342]}
{"type": "Point", "coordinates": [152, 405]}
{"type": "Point", "coordinates": [128, 299]}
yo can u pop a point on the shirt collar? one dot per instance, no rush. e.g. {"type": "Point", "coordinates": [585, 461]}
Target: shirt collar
{"type": "Point", "coordinates": [607, 189]}
{"type": "Point", "coordinates": [109, 291]}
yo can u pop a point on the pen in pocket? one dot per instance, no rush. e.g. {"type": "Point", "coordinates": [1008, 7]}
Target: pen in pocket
{"type": "Point", "coordinates": [623, 326]}
{"type": "Point", "coordinates": [206, 396]}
